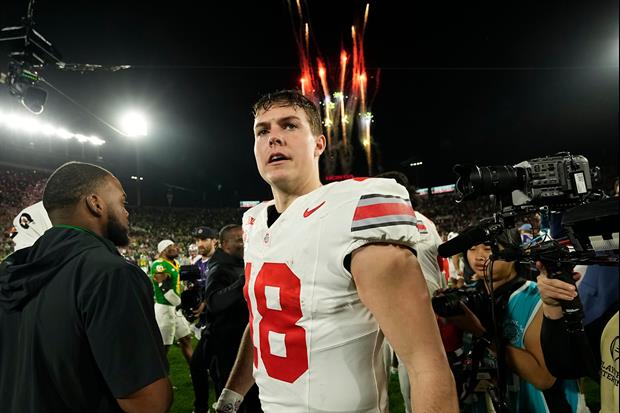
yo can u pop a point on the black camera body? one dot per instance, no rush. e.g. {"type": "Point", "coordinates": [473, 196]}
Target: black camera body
{"type": "Point", "coordinates": [559, 179]}
{"type": "Point", "coordinates": [191, 297]}
{"type": "Point", "coordinates": [560, 185]}
{"type": "Point", "coordinates": [447, 303]}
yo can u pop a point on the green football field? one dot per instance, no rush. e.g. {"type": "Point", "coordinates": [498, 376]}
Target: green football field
{"type": "Point", "coordinates": [184, 395]}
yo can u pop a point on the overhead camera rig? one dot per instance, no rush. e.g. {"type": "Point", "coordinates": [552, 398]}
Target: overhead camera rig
{"type": "Point", "coordinates": [29, 53]}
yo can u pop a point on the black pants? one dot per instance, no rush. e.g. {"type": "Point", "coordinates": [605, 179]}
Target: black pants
{"type": "Point", "coordinates": [222, 361]}
{"type": "Point", "coordinates": [199, 369]}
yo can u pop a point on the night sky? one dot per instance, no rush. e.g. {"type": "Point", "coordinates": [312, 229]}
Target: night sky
{"type": "Point", "coordinates": [482, 82]}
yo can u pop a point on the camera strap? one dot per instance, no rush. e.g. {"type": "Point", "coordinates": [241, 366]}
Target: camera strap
{"type": "Point", "coordinates": [501, 295]}
{"type": "Point", "coordinates": [484, 380]}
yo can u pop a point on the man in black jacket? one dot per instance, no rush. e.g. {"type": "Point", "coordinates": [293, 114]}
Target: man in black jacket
{"type": "Point", "coordinates": [77, 320]}
{"type": "Point", "coordinates": [227, 311]}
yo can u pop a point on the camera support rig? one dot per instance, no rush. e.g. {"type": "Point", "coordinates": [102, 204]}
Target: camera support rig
{"type": "Point", "coordinates": [29, 52]}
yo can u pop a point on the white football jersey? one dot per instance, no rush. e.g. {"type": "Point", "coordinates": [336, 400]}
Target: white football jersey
{"type": "Point", "coordinates": [317, 348]}
{"type": "Point", "coordinates": [426, 250]}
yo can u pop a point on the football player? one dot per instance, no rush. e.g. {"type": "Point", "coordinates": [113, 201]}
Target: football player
{"type": "Point", "coordinates": [329, 271]}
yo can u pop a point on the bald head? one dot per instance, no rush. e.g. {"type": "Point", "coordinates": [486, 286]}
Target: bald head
{"type": "Point", "coordinates": [70, 183]}
{"type": "Point", "coordinates": [88, 196]}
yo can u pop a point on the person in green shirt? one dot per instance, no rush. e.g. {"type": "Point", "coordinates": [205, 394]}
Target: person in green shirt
{"type": "Point", "coordinates": [167, 290]}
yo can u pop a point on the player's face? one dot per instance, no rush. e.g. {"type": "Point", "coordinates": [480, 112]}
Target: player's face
{"type": "Point", "coordinates": [171, 252]}
{"type": "Point", "coordinates": [285, 148]}
{"type": "Point", "coordinates": [117, 225]}
{"type": "Point", "coordinates": [478, 259]}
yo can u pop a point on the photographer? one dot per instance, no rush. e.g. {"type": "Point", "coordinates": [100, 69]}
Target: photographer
{"type": "Point", "coordinates": [570, 354]}
{"type": "Point", "coordinates": [528, 384]}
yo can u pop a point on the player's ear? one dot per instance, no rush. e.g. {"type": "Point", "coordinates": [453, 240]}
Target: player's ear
{"type": "Point", "coordinates": [320, 144]}
{"type": "Point", "coordinates": [94, 203]}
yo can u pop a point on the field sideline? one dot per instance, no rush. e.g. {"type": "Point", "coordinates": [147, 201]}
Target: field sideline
{"type": "Point", "coordinates": [184, 396]}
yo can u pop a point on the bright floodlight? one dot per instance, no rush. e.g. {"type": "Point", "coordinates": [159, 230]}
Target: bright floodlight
{"type": "Point", "coordinates": [133, 124]}
{"type": "Point", "coordinates": [31, 125]}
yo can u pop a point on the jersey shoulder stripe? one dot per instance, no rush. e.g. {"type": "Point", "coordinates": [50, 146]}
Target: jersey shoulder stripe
{"type": "Point", "coordinates": [377, 210]}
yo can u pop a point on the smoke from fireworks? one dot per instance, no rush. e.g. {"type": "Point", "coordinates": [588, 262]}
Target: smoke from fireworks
{"type": "Point", "coordinates": [342, 95]}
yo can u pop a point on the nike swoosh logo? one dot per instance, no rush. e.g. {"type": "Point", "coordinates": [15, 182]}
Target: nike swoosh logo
{"type": "Point", "coordinates": [309, 212]}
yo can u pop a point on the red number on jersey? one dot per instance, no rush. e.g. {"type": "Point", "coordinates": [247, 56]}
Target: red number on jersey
{"type": "Point", "coordinates": [290, 367]}
{"type": "Point", "coordinates": [248, 271]}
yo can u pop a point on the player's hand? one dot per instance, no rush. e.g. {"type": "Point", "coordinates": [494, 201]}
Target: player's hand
{"type": "Point", "coordinates": [551, 290]}
{"type": "Point", "coordinates": [200, 309]}
{"type": "Point", "coordinates": [165, 285]}
{"type": "Point", "coordinates": [228, 402]}
{"type": "Point", "coordinates": [160, 276]}
{"type": "Point", "coordinates": [467, 321]}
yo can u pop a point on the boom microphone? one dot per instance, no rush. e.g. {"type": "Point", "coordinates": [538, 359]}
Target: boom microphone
{"type": "Point", "coordinates": [473, 236]}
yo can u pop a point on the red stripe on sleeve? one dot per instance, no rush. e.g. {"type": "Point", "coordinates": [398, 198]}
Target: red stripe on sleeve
{"type": "Point", "coordinates": [380, 210]}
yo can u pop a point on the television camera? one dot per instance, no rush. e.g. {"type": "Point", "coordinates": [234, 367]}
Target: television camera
{"type": "Point", "coordinates": [560, 189]}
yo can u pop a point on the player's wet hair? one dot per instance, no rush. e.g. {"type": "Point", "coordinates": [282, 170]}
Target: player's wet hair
{"type": "Point", "coordinates": [226, 230]}
{"type": "Point", "coordinates": [70, 183]}
{"type": "Point", "coordinates": [293, 98]}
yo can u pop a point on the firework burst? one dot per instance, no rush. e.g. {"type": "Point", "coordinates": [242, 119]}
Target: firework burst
{"type": "Point", "coordinates": [342, 95]}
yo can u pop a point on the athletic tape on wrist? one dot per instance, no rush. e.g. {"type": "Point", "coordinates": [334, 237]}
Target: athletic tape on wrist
{"type": "Point", "coordinates": [228, 402]}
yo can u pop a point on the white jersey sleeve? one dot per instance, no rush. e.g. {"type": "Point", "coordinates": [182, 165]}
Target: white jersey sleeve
{"type": "Point", "coordinates": [379, 212]}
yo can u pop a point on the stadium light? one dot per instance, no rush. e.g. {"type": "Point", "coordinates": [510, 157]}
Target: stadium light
{"type": "Point", "coordinates": [33, 126]}
{"type": "Point", "coordinates": [134, 125]}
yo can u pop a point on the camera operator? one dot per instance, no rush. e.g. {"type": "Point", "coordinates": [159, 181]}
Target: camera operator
{"type": "Point", "coordinates": [528, 384]}
{"type": "Point", "coordinates": [570, 354]}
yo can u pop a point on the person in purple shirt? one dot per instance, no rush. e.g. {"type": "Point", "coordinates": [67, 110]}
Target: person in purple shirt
{"type": "Point", "coordinates": [206, 241]}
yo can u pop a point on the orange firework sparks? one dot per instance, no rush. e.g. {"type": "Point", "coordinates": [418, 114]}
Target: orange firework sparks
{"type": "Point", "coordinates": [343, 70]}
{"type": "Point", "coordinates": [349, 102]}
{"type": "Point", "coordinates": [323, 77]}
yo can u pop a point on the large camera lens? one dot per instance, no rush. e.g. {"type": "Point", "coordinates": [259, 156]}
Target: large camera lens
{"type": "Point", "coordinates": [474, 181]}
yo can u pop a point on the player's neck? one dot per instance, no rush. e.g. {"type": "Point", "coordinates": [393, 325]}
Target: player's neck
{"type": "Point", "coordinates": [284, 197]}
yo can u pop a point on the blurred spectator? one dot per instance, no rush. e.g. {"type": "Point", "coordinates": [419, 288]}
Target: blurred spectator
{"type": "Point", "coordinates": [227, 311]}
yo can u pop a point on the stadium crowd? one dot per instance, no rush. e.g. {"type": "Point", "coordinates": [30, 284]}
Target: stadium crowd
{"type": "Point", "coordinates": [20, 188]}
{"type": "Point", "coordinates": [150, 245]}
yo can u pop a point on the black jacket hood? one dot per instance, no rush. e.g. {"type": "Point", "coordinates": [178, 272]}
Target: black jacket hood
{"type": "Point", "coordinates": [25, 272]}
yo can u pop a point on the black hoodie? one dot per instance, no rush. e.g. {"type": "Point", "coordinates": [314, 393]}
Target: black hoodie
{"type": "Point", "coordinates": [77, 327]}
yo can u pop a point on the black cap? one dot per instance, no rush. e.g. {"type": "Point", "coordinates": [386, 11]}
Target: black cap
{"type": "Point", "coordinates": [205, 233]}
